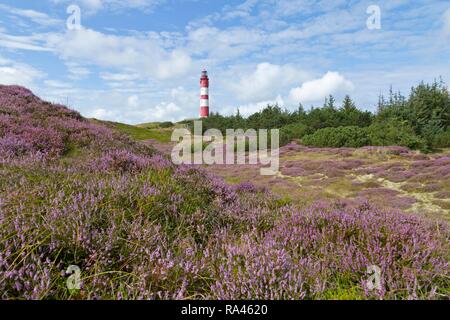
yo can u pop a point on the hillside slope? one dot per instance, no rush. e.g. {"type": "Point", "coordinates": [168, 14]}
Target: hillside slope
{"type": "Point", "coordinates": [32, 129]}
{"type": "Point", "coordinates": [139, 227]}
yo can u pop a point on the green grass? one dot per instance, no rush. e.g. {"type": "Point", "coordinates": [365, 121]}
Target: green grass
{"type": "Point", "coordinates": [134, 132]}
{"type": "Point", "coordinates": [233, 180]}
{"type": "Point", "coordinates": [149, 125]}
{"type": "Point", "coordinates": [156, 125]}
{"type": "Point", "coordinates": [353, 293]}
{"type": "Point", "coordinates": [140, 133]}
{"type": "Point", "coordinates": [161, 135]}
{"type": "Point", "coordinates": [72, 151]}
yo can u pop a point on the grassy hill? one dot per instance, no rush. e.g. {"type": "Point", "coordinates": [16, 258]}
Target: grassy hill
{"type": "Point", "coordinates": [139, 227]}
{"type": "Point", "coordinates": [140, 132]}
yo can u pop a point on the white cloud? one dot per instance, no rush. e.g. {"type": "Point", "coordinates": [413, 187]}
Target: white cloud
{"type": "Point", "coordinates": [240, 11]}
{"type": "Point", "coordinates": [92, 4]}
{"type": "Point", "coordinates": [76, 71]}
{"type": "Point", "coordinates": [4, 61]}
{"type": "Point", "coordinates": [266, 81]}
{"type": "Point", "coordinates": [165, 111]}
{"type": "Point", "coordinates": [57, 84]}
{"type": "Point", "coordinates": [12, 72]}
{"type": "Point", "coordinates": [107, 76]}
{"type": "Point", "coordinates": [226, 44]}
{"type": "Point", "coordinates": [95, 5]}
{"type": "Point", "coordinates": [189, 99]}
{"type": "Point", "coordinates": [132, 108]}
{"type": "Point", "coordinates": [102, 114]}
{"type": "Point", "coordinates": [133, 101]}
{"type": "Point", "coordinates": [250, 108]}
{"type": "Point", "coordinates": [318, 89]}
{"type": "Point", "coordinates": [143, 55]}
{"type": "Point", "coordinates": [180, 104]}
{"type": "Point", "coordinates": [32, 42]}
{"type": "Point", "coordinates": [37, 17]}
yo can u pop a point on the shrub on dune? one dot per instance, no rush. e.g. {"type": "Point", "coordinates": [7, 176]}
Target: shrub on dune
{"type": "Point", "coordinates": [394, 133]}
{"type": "Point", "coordinates": [353, 137]}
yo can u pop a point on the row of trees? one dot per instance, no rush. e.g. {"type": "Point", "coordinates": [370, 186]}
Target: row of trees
{"type": "Point", "coordinates": [273, 117]}
{"type": "Point", "coordinates": [419, 121]}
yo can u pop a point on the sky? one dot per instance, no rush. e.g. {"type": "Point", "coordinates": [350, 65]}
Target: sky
{"type": "Point", "coordinates": [140, 60]}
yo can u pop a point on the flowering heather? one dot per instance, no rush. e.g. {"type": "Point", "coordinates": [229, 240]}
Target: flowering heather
{"type": "Point", "coordinates": [388, 195]}
{"type": "Point", "coordinates": [33, 129]}
{"type": "Point", "coordinates": [141, 228]}
{"type": "Point", "coordinates": [319, 251]}
{"type": "Point", "coordinates": [395, 150]}
{"type": "Point", "coordinates": [330, 168]}
{"type": "Point", "coordinates": [126, 161]}
{"type": "Point", "coordinates": [429, 170]}
{"type": "Point", "coordinates": [293, 147]}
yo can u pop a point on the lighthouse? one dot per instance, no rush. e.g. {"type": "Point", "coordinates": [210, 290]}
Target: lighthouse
{"type": "Point", "coordinates": [204, 95]}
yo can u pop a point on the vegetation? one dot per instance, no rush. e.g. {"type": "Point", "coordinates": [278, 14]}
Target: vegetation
{"type": "Point", "coordinates": [143, 133]}
{"type": "Point", "coordinates": [394, 132]}
{"type": "Point", "coordinates": [156, 125]}
{"type": "Point", "coordinates": [352, 136]}
{"type": "Point", "coordinates": [421, 121]}
{"type": "Point", "coordinates": [293, 131]}
{"type": "Point", "coordinates": [141, 228]}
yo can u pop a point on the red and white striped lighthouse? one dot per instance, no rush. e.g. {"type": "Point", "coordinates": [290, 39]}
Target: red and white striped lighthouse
{"type": "Point", "coordinates": [204, 95]}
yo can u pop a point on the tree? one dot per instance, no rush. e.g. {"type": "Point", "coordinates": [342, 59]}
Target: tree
{"type": "Point", "coordinates": [330, 102]}
{"type": "Point", "coordinates": [394, 132]}
{"type": "Point", "coordinates": [430, 107]}
{"type": "Point", "coordinates": [300, 114]}
{"type": "Point", "coordinates": [348, 105]}
{"type": "Point", "coordinates": [350, 115]}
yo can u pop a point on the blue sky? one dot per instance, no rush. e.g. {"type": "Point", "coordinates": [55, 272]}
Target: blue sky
{"type": "Point", "coordinates": [140, 60]}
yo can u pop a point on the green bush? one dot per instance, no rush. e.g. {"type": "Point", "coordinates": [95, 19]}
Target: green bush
{"type": "Point", "coordinates": [166, 124]}
{"type": "Point", "coordinates": [442, 139]}
{"type": "Point", "coordinates": [293, 131]}
{"type": "Point", "coordinates": [351, 136]}
{"type": "Point", "coordinates": [394, 132]}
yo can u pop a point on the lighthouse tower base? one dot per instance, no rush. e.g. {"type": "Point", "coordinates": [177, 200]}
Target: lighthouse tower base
{"type": "Point", "coordinates": [204, 112]}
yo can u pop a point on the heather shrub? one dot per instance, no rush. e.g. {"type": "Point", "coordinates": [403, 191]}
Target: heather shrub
{"type": "Point", "coordinates": [252, 268]}
{"type": "Point", "coordinates": [126, 161]}
{"type": "Point", "coordinates": [347, 241]}
{"type": "Point", "coordinates": [390, 150]}
{"type": "Point", "coordinates": [324, 252]}
{"type": "Point", "coordinates": [139, 227]}
{"type": "Point", "coordinates": [352, 136]}
{"type": "Point", "coordinates": [31, 128]}
{"type": "Point", "coordinates": [94, 220]}
{"type": "Point", "coordinates": [177, 232]}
